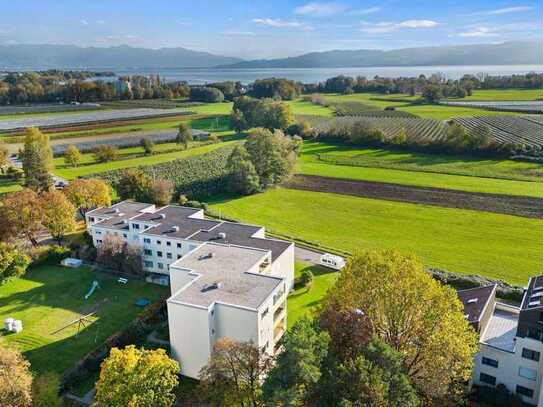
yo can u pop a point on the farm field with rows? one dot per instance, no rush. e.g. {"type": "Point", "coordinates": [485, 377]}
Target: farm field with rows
{"type": "Point", "coordinates": [501, 106]}
{"type": "Point", "coordinates": [462, 173]}
{"type": "Point", "coordinates": [496, 246]}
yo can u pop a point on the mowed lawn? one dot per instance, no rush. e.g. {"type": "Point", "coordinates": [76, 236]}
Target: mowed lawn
{"type": "Point", "coordinates": [8, 186]}
{"type": "Point", "coordinates": [506, 94]}
{"type": "Point", "coordinates": [427, 170]}
{"type": "Point", "coordinates": [90, 166]}
{"type": "Point", "coordinates": [49, 297]}
{"type": "Point", "coordinates": [493, 245]}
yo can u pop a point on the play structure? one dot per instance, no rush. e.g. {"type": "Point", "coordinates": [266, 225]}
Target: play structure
{"type": "Point", "coordinates": [83, 318]}
{"type": "Point", "coordinates": [13, 325]}
{"type": "Point", "coordinates": [94, 286]}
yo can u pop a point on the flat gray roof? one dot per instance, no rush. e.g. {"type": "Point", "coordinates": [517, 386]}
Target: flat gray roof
{"type": "Point", "coordinates": [117, 215]}
{"type": "Point", "coordinates": [501, 330]}
{"type": "Point", "coordinates": [227, 267]}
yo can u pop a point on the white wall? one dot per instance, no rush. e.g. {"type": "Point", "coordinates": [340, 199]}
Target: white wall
{"type": "Point", "coordinates": [236, 323]}
{"type": "Point", "coordinates": [283, 266]}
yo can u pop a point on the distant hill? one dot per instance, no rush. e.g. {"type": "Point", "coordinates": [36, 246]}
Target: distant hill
{"type": "Point", "coordinates": [509, 53]}
{"type": "Point", "coordinates": [70, 56]}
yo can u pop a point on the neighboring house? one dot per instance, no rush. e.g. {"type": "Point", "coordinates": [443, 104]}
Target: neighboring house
{"type": "Point", "coordinates": [510, 340]}
{"type": "Point", "coordinates": [227, 279]}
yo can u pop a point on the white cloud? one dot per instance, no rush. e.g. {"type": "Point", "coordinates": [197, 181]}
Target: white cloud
{"type": "Point", "coordinates": [276, 23]}
{"type": "Point", "coordinates": [365, 11]}
{"type": "Point", "coordinates": [387, 26]}
{"type": "Point", "coordinates": [84, 22]}
{"type": "Point", "coordinates": [506, 10]}
{"type": "Point", "coordinates": [319, 9]}
{"type": "Point", "coordinates": [478, 32]}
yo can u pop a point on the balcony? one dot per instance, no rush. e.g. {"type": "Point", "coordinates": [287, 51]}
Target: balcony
{"type": "Point", "coordinates": [279, 313]}
{"type": "Point", "coordinates": [279, 330]}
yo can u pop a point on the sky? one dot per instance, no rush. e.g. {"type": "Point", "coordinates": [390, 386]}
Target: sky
{"type": "Point", "coordinates": [269, 29]}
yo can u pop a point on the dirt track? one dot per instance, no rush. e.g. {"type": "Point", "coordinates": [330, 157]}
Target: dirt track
{"type": "Point", "coordinates": [510, 205]}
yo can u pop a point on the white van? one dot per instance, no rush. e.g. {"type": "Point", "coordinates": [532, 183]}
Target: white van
{"type": "Point", "coordinates": [332, 261]}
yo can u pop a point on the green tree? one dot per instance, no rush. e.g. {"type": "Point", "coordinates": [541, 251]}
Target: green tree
{"type": "Point", "coordinates": [15, 378]}
{"type": "Point", "coordinates": [414, 315]}
{"type": "Point", "coordinates": [159, 191]}
{"type": "Point", "coordinates": [137, 377]}
{"type": "Point", "coordinates": [184, 135]}
{"type": "Point", "coordinates": [58, 214]}
{"type": "Point", "coordinates": [297, 368]}
{"type": "Point", "coordinates": [432, 94]}
{"type": "Point", "coordinates": [72, 156]}
{"type": "Point", "coordinates": [21, 216]}
{"type": "Point", "coordinates": [45, 391]}
{"type": "Point", "coordinates": [243, 176]}
{"type": "Point", "coordinates": [37, 158]}
{"type": "Point", "coordinates": [148, 146]}
{"type": "Point", "coordinates": [233, 374]}
{"type": "Point", "coordinates": [86, 194]}
{"type": "Point", "coordinates": [13, 262]}
{"type": "Point", "coordinates": [479, 137]}
{"type": "Point", "coordinates": [105, 153]}
{"type": "Point", "coordinates": [4, 157]}
{"type": "Point", "coordinates": [306, 279]}
{"type": "Point", "coordinates": [133, 184]}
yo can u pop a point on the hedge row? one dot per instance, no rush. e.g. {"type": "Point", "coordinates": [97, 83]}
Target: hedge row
{"type": "Point", "coordinates": [196, 177]}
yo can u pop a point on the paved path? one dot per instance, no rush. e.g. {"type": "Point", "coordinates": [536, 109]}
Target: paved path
{"type": "Point", "coordinates": [307, 255]}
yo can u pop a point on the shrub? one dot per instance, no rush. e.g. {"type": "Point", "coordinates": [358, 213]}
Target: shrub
{"type": "Point", "coordinates": [105, 153]}
{"type": "Point", "coordinates": [148, 145]}
{"type": "Point", "coordinates": [49, 254]}
{"type": "Point", "coordinates": [207, 95]}
{"type": "Point", "coordinates": [306, 278]}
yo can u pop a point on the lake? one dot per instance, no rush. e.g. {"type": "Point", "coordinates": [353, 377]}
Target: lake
{"type": "Point", "coordinates": [311, 75]}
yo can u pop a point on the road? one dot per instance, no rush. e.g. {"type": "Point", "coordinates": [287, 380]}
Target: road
{"type": "Point", "coordinates": [307, 255]}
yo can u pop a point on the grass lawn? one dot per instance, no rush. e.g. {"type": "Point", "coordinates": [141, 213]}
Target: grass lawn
{"type": "Point", "coordinates": [48, 297]}
{"type": "Point", "coordinates": [303, 302]}
{"type": "Point", "coordinates": [493, 245]}
{"type": "Point", "coordinates": [8, 185]}
{"type": "Point", "coordinates": [91, 167]}
{"type": "Point", "coordinates": [506, 94]}
{"type": "Point", "coordinates": [428, 170]}
{"type": "Point", "coordinates": [300, 107]}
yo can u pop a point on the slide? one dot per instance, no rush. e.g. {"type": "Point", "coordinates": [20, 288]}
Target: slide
{"type": "Point", "coordinates": [94, 286]}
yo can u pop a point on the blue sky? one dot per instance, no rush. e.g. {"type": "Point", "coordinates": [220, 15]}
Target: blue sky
{"type": "Point", "coordinates": [269, 29]}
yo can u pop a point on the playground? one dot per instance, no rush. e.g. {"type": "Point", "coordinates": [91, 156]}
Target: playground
{"type": "Point", "coordinates": [60, 325]}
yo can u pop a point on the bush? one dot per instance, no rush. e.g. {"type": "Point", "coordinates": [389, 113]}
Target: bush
{"type": "Point", "coordinates": [105, 153]}
{"type": "Point", "coordinates": [49, 254]}
{"type": "Point", "coordinates": [306, 278]}
{"type": "Point", "coordinates": [208, 95]}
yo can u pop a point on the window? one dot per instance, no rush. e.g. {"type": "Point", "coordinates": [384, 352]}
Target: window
{"type": "Point", "coordinates": [91, 220]}
{"type": "Point", "coordinates": [159, 254]}
{"type": "Point", "coordinates": [146, 240]}
{"type": "Point", "coordinates": [179, 245]}
{"type": "Point", "coordinates": [527, 373]}
{"type": "Point", "coordinates": [490, 362]}
{"type": "Point", "coordinates": [148, 264]}
{"type": "Point", "coordinates": [98, 232]}
{"type": "Point", "coordinates": [168, 255]}
{"type": "Point", "coordinates": [168, 243]}
{"type": "Point", "coordinates": [98, 241]}
{"type": "Point", "coordinates": [535, 333]}
{"type": "Point", "coordinates": [148, 252]}
{"type": "Point", "coordinates": [158, 242]}
{"type": "Point", "coordinates": [160, 266]}
{"type": "Point", "coordinates": [530, 354]}
{"type": "Point", "coordinates": [486, 378]}
{"type": "Point", "coordinates": [125, 235]}
{"type": "Point", "coordinates": [524, 391]}
{"type": "Point", "coordinates": [264, 313]}
{"type": "Point", "coordinates": [135, 226]}
{"type": "Point", "coordinates": [179, 256]}
{"type": "Point", "coordinates": [541, 317]}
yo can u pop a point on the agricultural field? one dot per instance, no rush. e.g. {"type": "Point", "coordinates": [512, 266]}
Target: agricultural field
{"type": "Point", "coordinates": [494, 245]}
{"type": "Point", "coordinates": [462, 173]}
{"type": "Point", "coordinates": [526, 130]}
{"type": "Point", "coordinates": [132, 157]}
{"type": "Point", "coordinates": [501, 106]}
{"type": "Point", "coordinates": [505, 94]}
{"type": "Point", "coordinates": [14, 111]}
{"type": "Point", "coordinates": [48, 298]}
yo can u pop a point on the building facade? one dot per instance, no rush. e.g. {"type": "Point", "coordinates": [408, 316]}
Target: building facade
{"type": "Point", "coordinates": [510, 340]}
{"type": "Point", "coordinates": [227, 279]}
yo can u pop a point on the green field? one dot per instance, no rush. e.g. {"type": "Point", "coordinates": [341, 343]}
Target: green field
{"type": "Point", "coordinates": [49, 297]}
{"type": "Point", "coordinates": [493, 245]}
{"type": "Point", "coordinates": [8, 185]}
{"type": "Point", "coordinates": [90, 166]}
{"type": "Point", "coordinates": [427, 170]}
{"type": "Point", "coordinates": [506, 94]}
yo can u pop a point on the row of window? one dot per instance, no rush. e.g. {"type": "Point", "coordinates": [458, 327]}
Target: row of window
{"type": "Point", "coordinates": [99, 232]}
{"type": "Point", "coordinates": [159, 242]}
{"type": "Point", "coordinates": [150, 264]}
{"type": "Point", "coordinates": [149, 252]}
{"type": "Point", "coordinates": [491, 380]}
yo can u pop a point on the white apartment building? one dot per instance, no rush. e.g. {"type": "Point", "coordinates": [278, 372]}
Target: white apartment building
{"type": "Point", "coordinates": [510, 340]}
{"type": "Point", "coordinates": [227, 279]}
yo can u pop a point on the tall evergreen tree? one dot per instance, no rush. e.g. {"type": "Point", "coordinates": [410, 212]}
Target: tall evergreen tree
{"type": "Point", "coordinates": [37, 160]}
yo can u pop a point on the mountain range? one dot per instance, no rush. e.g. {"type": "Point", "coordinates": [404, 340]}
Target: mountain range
{"type": "Point", "coordinates": [123, 56]}
{"type": "Point", "coordinates": [120, 57]}
{"type": "Point", "coordinates": [508, 53]}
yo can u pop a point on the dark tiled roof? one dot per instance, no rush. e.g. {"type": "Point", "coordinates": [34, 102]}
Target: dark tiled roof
{"type": "Point", "coordinates": [117, 216]}
{"type": "Point", "coordinates": [533, 296]}
{"type": "Point", "coordinates": [475, 300]}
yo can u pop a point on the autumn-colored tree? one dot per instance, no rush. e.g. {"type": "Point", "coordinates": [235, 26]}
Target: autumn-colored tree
{"type": "Point", "coordinates": [4, 157]}
{"type": "Point", "coordinates": [86, 194]}
{"type": "Point", "coordinates": [137, 377]}
{"type": "Point", "coordinates": [45, 391]}
{"type": "Point", "coordinates": [105, 153]}
{"type": "Point", "coordinates": [115, 254]}
{"type": "Point", "coordinates": [37, 158]}
{"type": "Point", "coordinates": [13, 261]}
{"type": "Point", "coordinates": [413, 314]}
{"type": "Point", "coordinates": [133, 184]}
{"type": "Point", "coordinates": [184, 135]}
{"type": "Point", "coordinates": [21, 215]}
{"type": "Point", "coordinates": [58, 214]}
{"type": "Point", "coordinates": [233, 374]}
{"type": "Point", "coordinates": [148, 145]}
{"type": "Point", "coordinates": [160, 192]}
{"type": "Point", "coordinates": [72, 156]}
{"type": "Point", "coordinates": [15, 378]}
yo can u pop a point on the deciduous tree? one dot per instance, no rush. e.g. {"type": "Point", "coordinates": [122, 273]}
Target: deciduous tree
{"type": "Point", "coordinates": [21, 215]}
{"type": "Point", "coordinates": [243, 177]}
{"type": "Point", "coordinates": [37, 158]}
{"type": "Point", "coordinates": [4, 157]}
{"type": "Point", "coordinates": [86, 194]}
{"type": "Point", "coordinates": [184, 135]}
{"type": "Point", "coordinates": [133, 184]}
{"type": "Point", "coordinates": [160, 191]}
{"type": "Point", "coordinates": [45, 391]}
{"type": "Point", "coordinates": [148, 145]}
{"type": "Point", "coordinates": [137, 377]}
{"type": "Point", "coordinates": [15, 378]}
{"type": "Point", "coordinates": [13, 262]}
{"type": "Point", "coordinates": [233, 374]}
{"type": "Point", "coordinates": [72, 156]}
{"type": "Point", "coordinates": [58, 214]}
{"type": "Point", "coordinates": [105, 153]}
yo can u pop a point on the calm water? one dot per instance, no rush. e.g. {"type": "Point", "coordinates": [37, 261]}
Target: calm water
{"type": "Point", "coordinates": [311, 75]}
